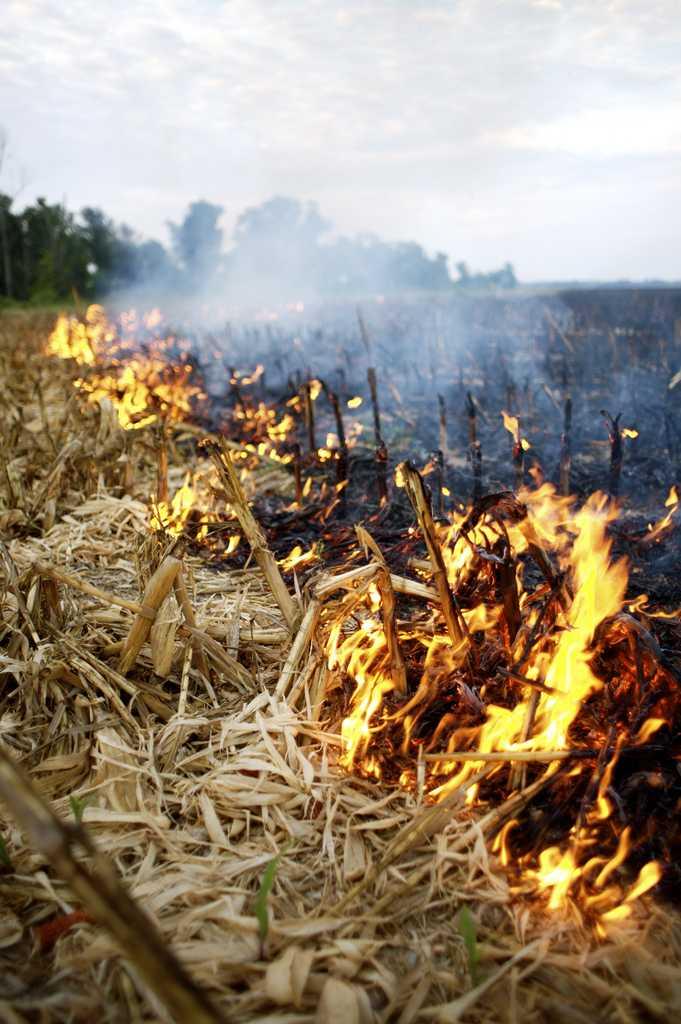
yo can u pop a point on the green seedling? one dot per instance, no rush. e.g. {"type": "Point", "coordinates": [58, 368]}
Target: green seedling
{"type": "Point", "coordinates": [78, 805]}
{"type": "Point", "coordinates": [261, 905]}
{"type": "Point", "coordinates": [466, 925]}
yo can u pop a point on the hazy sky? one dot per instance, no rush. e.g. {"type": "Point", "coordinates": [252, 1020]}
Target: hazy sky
{"type": "Point", "coordinates": [543, 132]}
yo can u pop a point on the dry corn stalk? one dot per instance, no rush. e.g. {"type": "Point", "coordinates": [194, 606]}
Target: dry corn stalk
{"type": "Point", "coordinates": [76, 583]}
{"type": "Point", "coordinates": [297, 648]}
{"type": "Point", "coordinates": [183, 599]}
{"type": "Point", "coordinates": [104, 897]}
{"type": "Point", "coordinates": [413, 484]}
{"type": "Point", "coordinates": [52, 481]}
{"type": "Point", "coordinates": [233, 671]}
{"type": "Point", "coordinates": [162, 636]}
{"type": "Point", "coordinates": [326, 584]}
{"type": "Point", "coordinates": [398, 671]}
{"type": "Point", "coordinates": [223, 462]}
{"type": "Point", "coordinates": [162, 464]}
{"type": "Point", "coordinates": [155, 592]}
{"type": "Point", "coordinates": [520, 756]}
{"type": "Point", "coordinates": [425, 823]}
{"type": "Point", "coordinates": [518, 776]}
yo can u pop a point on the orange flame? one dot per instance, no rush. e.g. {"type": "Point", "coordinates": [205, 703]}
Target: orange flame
{"type": "Point", "coordinates": [144, 386]}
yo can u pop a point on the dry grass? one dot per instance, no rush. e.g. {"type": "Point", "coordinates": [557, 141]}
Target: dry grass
{"type": "Point", "coordinates": [192, 785]}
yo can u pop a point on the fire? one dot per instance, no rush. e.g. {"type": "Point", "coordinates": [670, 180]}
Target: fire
{"type": "Point", "coordinates": [512, 424]}
{"type": "Point", "coordinates": [262, 421]}
{"type": "Point", "coordinates": [297, 557]}
{"type": "Point", "coordinates": [145, 390]}
{"type": "Point", "coordinates": [562, 666]}
{"type": "Point", "coordinates": [362, 655]}
{"type": "Point", "coordinates": [534, 640]}
{"type": "Point", "coordinates": [146, 382]}
{"type": "Point", "coordinates": [172, 516]}
{"type": "Point", "coordinates": [192, 510]}
{"type": "Point", "coordinates": [662, 526]}
{"type": "Point", "coordinates": [251, 378]}
{"type": "Point", "coordinates": [81, 341]}
{"type": "Point", "coordinates": [557, 872]}
{"type": "Point", "coordinates": [599, 592]}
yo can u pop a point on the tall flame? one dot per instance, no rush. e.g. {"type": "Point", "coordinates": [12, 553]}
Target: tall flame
{"type": "Point", "coordinates": [562, 667]}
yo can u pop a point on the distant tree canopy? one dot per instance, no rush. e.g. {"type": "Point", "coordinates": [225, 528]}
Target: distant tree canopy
{"type": "Point", "coordinates": [504, 278]}
{"type": "Point", "coordinates": [283, 248]}
{"type": "Point", "coordinates": [285, 245]}
{"type": "Point", "coordinates": [278, 244]}
{"type": "Point", "coordinates": [47, 253]}
{"type": "Point", "coordinates": [197, 241]}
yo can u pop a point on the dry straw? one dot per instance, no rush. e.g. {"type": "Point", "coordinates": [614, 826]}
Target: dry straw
{"type": "Point", "coordinates": [193, 780]}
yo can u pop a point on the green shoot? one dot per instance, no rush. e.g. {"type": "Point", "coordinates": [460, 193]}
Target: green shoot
{"type": "Point", "coordinates": [78, 805]}
{"type": "Point", "coordinates": [261, 900]}
{"type": "Point", "coordinates": [466, 925]}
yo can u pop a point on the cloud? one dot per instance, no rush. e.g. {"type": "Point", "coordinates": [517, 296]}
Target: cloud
{"type": "Point", "coordinates": [435, 117]}
{"type": "Point", "coordinates": [634, 130]}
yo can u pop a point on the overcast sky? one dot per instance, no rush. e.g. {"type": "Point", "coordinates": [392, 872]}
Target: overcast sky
{"type": "Point", "coordinates": [543, 132]}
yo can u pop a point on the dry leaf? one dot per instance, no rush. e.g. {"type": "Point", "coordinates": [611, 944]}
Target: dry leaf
{"type": "Point", "coordinates": [354, 856]}
{"type": "Point", "coordinates": [338, 1004]}
{"type": "Point", "coordinates": [10, 929]}
{"type": "Point", "coordinates": [162, 636]}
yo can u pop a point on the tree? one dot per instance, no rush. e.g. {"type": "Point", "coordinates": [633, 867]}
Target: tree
{"type": "Point", "coordinates": [152, 263]}
{"type": "Point", "coordinates": [61, 252]}
{"type": "Point", "coordinates": [6, 224]}
{"type": "Point", "coordinates": [281, 249]}
{"type": "Point", "coordinates": [277, 247]}
{"type": "Point", "coordinates": [6, 218]}
{"type": "Point", "coordinates": [463, 272]}
{"type": "Point", "coordinates": [197, 241]}
{"type": "Point", "coordinates": [503, 278]}
{"type": "Point", "coordinates": [280, 220]}
{"type": "Point", "coordinates": [99, 234]}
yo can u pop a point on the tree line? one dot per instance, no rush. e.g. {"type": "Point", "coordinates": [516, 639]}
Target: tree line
{"type": "Point", "coordinates": [283, 248]}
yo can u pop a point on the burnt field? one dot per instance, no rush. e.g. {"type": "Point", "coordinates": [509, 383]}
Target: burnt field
{"type": "Point", "coordinates": [565, 366]}
{"type": "Point", "coordinates": [351, 634]}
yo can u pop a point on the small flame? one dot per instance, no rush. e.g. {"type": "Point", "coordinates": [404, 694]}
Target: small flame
{"type": "Point", "coordinates": [297, 557]}
{"type": "Point", "coordinates": [512, 424]}
{"type": "Point", "coordinates": [663, 525]}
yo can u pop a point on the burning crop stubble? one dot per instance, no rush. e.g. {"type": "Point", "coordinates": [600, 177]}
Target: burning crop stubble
{"type": "Point", "coordinates": [556, 675]}
{"type": "Point", "coordinates": [515, 677]}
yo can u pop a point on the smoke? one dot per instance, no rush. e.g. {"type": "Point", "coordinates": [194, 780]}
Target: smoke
{"type": "Point", "coordinates": [284, 292]}
{"type": "Point", "coordinates": [280, 254]}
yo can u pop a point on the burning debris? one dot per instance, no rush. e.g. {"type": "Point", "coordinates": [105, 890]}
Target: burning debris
{"type": "Point", "coordinates": [471, 647]}
{"type": "Point", "coordinates": [508, 678]}
{"type": "Point", "coordinates": [528, 605]}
